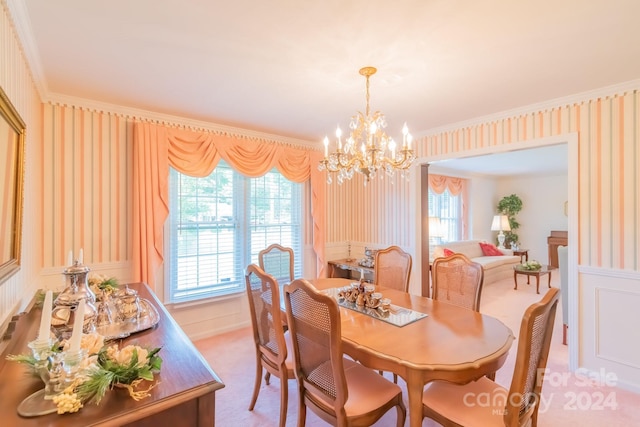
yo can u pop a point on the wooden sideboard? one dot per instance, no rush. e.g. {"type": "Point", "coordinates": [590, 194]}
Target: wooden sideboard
{"type": "Point", "coordinates": [555, 239]}
{"type": "Point", "coordinates": [184, 394]}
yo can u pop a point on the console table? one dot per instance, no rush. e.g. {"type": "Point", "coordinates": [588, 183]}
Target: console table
{"type": "Point", "coordinates": [349, 269]}
{"type": "Point", "coordinates": [184, 394]}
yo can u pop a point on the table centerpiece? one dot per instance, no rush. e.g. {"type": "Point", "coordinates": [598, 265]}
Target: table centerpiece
{"type": "Point", "coordinates": [532, 265]}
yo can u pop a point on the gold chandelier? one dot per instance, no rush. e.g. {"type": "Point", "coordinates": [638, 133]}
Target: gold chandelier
{"type": "Point", "coordinates": [368, 147]}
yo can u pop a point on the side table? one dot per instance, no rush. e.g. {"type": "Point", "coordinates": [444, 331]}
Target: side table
{"type": "Point", "coordinates": [522, 253]}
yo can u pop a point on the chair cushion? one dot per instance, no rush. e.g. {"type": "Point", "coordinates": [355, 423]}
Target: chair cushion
{"type": "Point", "coordinates": [478, 403]}
{"type": "Point", "coordinates": [368, 389]}
{"type": "Point", "coordinates": [490, 250]}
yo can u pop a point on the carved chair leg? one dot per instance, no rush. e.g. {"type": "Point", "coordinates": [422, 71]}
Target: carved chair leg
{"type": "Point", "coordinates": [284, 397]}
{"type": "Point", "coordinates": [256, 387]}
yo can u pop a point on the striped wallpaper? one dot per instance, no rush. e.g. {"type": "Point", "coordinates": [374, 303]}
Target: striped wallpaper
{"type": "Point", "coordinates": [609, 182]}
{"type": "Point", "coordinates": [86, 173]}
{"type": "Point", "coordinates": [608, 165]}
{"type": "Point", "coordinates": [355, 211]}
{"type": "Point", "coordinates": [86, 168]}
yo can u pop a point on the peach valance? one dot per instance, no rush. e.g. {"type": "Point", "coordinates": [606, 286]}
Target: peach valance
{"type": "Point", "coordinates": [439, 183]}
{"type": "Point", "coordinates": [197, 153]}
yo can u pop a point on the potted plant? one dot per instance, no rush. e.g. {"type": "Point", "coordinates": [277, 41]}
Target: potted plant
{"type": "Point", "coordinates": [510, 206]}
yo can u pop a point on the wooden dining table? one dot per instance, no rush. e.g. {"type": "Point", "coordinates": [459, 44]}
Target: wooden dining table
{"type": "Point", "coordinates": [451, 343]}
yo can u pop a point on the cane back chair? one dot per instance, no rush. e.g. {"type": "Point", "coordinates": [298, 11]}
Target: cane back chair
{"type": "Point", "coordinates": [340, 391]}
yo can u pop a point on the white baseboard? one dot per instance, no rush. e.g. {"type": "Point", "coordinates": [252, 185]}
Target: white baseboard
{"type": "Point", "coordinates": [203, 334]}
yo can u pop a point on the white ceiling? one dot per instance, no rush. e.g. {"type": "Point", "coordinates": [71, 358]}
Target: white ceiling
{"type": "Point", "coordinates": [548, 161]}
{"type": "Point", "coordinates": [290, 67]}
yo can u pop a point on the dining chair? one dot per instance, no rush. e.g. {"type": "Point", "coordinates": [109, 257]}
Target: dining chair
{"type": "Point", "coordinates": [277, 260]}
{"type": "Point", "coordinates": [484, 402]}
{"type": "Point", "coordinates": [272, 344]}
{"type": "Point", "coordinates": [337, 389]}
{"type": "Point", "coordinates": [392, 268]}
{"type": "Point", "coordinates": [563, 267]}
{"type": "Point", "coordinates": [457, 280]}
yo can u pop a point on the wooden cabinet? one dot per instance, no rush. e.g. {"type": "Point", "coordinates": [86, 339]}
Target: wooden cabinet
{"type": "Point", "coordinates": [184, 393]}
{"type": "Point", "coordinates": [555, 239]}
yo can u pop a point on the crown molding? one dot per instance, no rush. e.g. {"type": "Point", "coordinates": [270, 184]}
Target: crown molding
{"type": "Point", "coordinates": [22, 24]}
{"type": "Point", "coordinates": [171, 120]}
{"type": "Point", "coordinates": [578, 98]}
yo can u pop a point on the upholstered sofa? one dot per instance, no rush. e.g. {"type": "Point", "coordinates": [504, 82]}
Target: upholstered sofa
{"type": "Point", "coordinates": [495, 267]}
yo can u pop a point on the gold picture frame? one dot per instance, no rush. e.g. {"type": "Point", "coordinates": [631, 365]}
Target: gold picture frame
{"type": "Point", "coordinates": [12, 146]}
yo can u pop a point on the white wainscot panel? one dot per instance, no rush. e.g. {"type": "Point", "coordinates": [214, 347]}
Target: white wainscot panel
{"type": "Point", "coordinates": [609, 332]}
{"type": "Point", "coordinates": [616, 311]}
{"type": "Point", "coordinates": [202, 319]}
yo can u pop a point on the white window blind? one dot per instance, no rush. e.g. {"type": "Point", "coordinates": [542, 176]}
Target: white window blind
{"type": "Point", "coordinates": [219, 223]}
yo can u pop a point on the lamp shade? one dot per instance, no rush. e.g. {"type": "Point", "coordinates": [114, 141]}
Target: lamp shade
{"type": "Point", "coordinates": [500, 223]}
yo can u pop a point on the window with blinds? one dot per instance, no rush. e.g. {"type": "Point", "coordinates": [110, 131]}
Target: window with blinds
{"type": "Point", "coordinates": [219, 223]}
{"type": "Point", "coordinates": [449, 209]}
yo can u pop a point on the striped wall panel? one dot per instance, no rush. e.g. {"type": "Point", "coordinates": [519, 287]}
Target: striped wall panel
{"type": "Point", "coordinates": [17, 82]}
{"type": "Point", "coordinates": [86, 175]}
{"type": "Point", "coordinates": [356, 211]}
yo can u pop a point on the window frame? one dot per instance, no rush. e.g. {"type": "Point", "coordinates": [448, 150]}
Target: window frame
{"type": "Point", "coordinates": [246, 253]}
{"type": "Point", "coordinates": [458, 221]}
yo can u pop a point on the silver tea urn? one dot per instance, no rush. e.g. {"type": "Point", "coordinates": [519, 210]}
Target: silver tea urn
{"type": "Point", "coordinates": [65, 305]}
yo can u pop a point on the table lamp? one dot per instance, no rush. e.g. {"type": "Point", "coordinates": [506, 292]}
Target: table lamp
{"type": "Point", "coordinates": [435, 230]}
{"type": "Point", "coordinates": [500, 223]}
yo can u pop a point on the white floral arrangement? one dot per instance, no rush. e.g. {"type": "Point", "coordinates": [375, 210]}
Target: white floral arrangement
{"type": "Point", "coordinates": [101, 282]}
{"type": "Point", "coordinates": [102, 369]}
{"type": "Point", "coordinates": [531, 265]}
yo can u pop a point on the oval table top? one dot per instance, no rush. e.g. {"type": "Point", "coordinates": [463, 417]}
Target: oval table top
{"type": "Point", "coordinates": [450, 343]}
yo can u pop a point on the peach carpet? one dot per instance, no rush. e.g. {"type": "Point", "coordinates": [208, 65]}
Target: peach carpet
{"type": "Point", "coordinates": [569, 399]}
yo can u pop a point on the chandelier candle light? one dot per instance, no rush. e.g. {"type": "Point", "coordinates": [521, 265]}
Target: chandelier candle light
{"type": "Point", "coordinates": [368, 148]}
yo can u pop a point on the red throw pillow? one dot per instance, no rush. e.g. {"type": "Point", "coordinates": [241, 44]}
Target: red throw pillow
{"type": "Point", "coordinates": [490, 250]}
{"type": "Point", "coordinates": [448, 252]}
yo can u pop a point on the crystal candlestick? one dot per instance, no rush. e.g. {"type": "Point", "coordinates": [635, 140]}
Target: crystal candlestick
{"type": "Point", "coordinates": [72, 365]}
{"type": "Point", "coordinates": [40, 403]}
